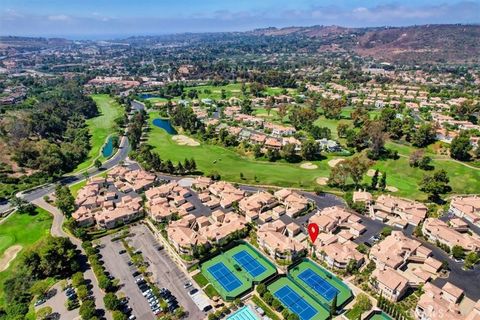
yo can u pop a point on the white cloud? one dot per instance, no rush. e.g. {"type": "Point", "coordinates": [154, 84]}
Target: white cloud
{"type": "Point", "coordinates": [59, 17]}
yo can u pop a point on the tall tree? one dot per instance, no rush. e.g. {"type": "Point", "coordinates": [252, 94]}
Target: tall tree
{"type": "Point", "coordinates": [64, 201]}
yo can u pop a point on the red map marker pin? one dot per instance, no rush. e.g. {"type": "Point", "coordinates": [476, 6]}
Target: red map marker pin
{"type": "Point", "coordinates": [313, 231]}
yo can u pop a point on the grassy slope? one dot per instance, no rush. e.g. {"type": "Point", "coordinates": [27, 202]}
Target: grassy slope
{"type": "Point", "coordinates": [229, 164]}
{"type": "Point", "coordinates": [101, 127]}
{"type": "Point", "coordinates": [24, 230]}
{"type": "Point", "coordinates": [406, 178]}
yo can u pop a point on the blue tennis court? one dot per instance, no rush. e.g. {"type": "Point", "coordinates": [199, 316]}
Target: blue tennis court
{"type": "Point", "coordinates": [295, 303]}
{"type": "Point", "coordinates": [317, 283]}
{"type": "Point", "coordinates": [249, 263]}
{"type": "Point", "coordinates": [224, 276]}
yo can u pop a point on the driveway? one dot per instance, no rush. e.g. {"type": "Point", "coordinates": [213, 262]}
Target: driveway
{"type": "Point", "coordinates": [165, 271]}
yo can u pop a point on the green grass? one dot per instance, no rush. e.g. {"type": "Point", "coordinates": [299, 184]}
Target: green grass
{"type": "Point", "coordinates": [344, 291]}
{"type": "Point", "coordinates": [247, 280]}
{"type": "Point", "coordinates": [354, 313]}
{"type": "Point", "coordinates": [200, 279]}
{"type": "Point", "coordinates": [211, 292]}
{"type": "Point", "coordinates": [76, 187]}
{"type": "Point", "coordinates": [101, 127]}
{"type": "Point", "coordinates": [321, 314]}
{"type": "Point", "coordinates": [24, 230]}
{"type": "Point", "coordinates": [406, 179]}
{"type": "Point", "coordinates": [331, 124]}
{"type": "Point", "coordinates": [268, 311]}
{"type": "Point", "coordinates": [230, 164]}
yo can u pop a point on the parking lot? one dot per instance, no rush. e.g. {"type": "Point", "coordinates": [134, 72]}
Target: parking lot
{"type": "Point", "coordinates": [117, 265]}
{"type": "Point", "coordinates": [165, 272]}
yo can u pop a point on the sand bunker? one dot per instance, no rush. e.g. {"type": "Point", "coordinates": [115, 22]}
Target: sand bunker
{"type": "Point", "coordinates": [8, 256]}
{"type": "Point", "coordinates": [371, 173]}
{"type": "Point", "coordinates": [391, 189]}
{"type": "Point", "coordinates": [185, 141]}
{"type": "Point", "coordinates": [308, 166]}
{"type": "Point", "coordinates": [322, 181]}
{"type": "Point", "coordinates": [334, 162]}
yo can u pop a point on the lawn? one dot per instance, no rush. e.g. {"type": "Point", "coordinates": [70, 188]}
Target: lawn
{"type": "Point", "coordinates": [406, 179]}
{"type": "Point", "coordinates": [230, 164]}
{"type": "Point", "coordinates": [101, 127]}
{"type": "Point", "coordinates": [24, 230]}
{"type": "Point", "coordinates": [200, 279]}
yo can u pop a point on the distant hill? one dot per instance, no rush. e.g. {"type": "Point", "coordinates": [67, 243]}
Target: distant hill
{"type": "Point", "coordinates": [404, 45]}
{"type": "Point", "coordinates": [411, 45]}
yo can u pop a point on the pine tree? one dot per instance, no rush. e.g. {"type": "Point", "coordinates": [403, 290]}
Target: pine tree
{"type": "Point", "coordinates": [193, 164]}
{"type": "Point", "coordinates": [383, 182]}
{"type": "Point", "coordinates": [333, 306]}
{"type": "Point", "coordinates": [187, 165]}
{"type": "Point", "coordinates": [375, 180]}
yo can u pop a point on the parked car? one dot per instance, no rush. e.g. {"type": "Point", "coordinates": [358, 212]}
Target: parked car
{"type": "Point", "coordinates": [132, 317]}
{"type": "Point", "coordinates": [136, 274]}
{"type": "Point", "coordinates": [122, 251]}
{"type": "Point", "coordinates": [39, 302]}
{"type": "Point", "coordinates": [187, 285]}
{"type": "Point", "coordinates": [192, 292]}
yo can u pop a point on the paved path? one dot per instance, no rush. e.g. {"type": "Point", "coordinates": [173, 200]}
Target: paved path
{"type": "Point", "coordinates": [57, 231]}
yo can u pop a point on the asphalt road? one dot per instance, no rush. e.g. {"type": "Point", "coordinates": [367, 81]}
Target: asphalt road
{"type": "Point", "coordinates": [42, 191]}
{"type": "Point", "coordinates": [165, 272]}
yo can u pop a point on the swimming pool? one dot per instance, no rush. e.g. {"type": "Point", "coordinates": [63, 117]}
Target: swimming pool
{"type": "Point", "coordinates": [245, 313]}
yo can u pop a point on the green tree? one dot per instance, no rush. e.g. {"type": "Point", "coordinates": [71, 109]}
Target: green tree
{"type": "Point", "coordinates": [118, 315]}
{"type": "Point", "coordinates": [97, 164]}
{"type": "Point", "coordinates": [289, 153]}
{"type": "Point", "coordinates": [257, 151]}
{"type": "Point", "coordinates": [374, 183]}
{"type": "Point", "coordinates": [268, 298]}
{"type": "Point", "coordinates": [43, 313]}
{"type": "Point", "coordinates": [458, 252]}
{"type": "Point", "coordinates": [383, 182]}
{"type": "Point", "coordinates": [293, 316]}
{"type": "Point", "coordinates": [310, 150]}
{"type": "Point", "coordinates": [78, 279]}
{"type": "Point", "coordinates": [87, 310]}
{"type": "Point", "coordinates": [424, 135]}
{"type": "Point", "coordinates": [111, 301]}
{"type": "Point", "coordinates": [64, 201]}
{"type": "Point", "coordinates": [460, 147]}
{"type": "Point", "coordinates": [276, 304]}
{"type": "Point", "coordinates": [333, 306]}
{"type": "Point", "coordinates": [39, 289]}
{"type": "Point", "coordinates": [471, 259]}
{"type": "Point", "coordinates": [435, 185]}
{"type": "Point", "coordinates": [82, 292]}
{"type": "Point", "coordinates": [261, 289]}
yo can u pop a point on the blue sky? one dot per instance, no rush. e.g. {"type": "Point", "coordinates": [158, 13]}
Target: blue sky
{"type": "Point", "coordinates": [115, 18]}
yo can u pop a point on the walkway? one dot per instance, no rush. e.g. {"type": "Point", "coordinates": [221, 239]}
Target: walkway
{"type": "Point", "coordinates": [57, 231]}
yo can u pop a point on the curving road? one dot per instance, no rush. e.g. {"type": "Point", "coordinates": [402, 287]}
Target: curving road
{"type": "Point", "coordinates": [40, 192]}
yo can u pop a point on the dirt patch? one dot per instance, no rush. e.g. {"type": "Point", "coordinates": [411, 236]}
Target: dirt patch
{"type": "Point", "coordinates": [334, 162]}
{"type": "Point", "coordinates": [308, 166]}
{"type": "Point", "coordinates": [323, 181]}
{"type": "Point", "coordinates": [8, 256]}
{"type": "Point", "coordinates": [185, 141]}
{"type": "Point", "coordinates": [371, 173]}
{"type": "Point", "coordinates": [391, 189]}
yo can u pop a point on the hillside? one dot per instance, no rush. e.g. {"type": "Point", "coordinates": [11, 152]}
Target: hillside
{"type": "Point", "coordinates": [410, 45]}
